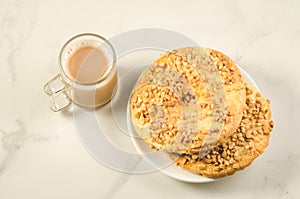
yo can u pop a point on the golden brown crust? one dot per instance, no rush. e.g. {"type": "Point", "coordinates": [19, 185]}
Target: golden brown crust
{"type": "Point", "coordinates": [226, 67]}
{"type": "Point", "coordinates": [155, 111]}
{"type": "Point", "coordinates": [235, 93]}
{"type": "Point", "coordinates": [238, 151]}
{"type": "Point", "coordinates": [178, 65]}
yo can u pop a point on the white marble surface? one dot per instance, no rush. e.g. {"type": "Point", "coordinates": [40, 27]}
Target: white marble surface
{"type": "Point", "coordinates": [40, 153]}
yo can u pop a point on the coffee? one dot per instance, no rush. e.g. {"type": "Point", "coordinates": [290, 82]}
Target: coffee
{"type": "Point", "coordinates": [88, 74]}
{"type": "Point", "coordinates": [87, 64]}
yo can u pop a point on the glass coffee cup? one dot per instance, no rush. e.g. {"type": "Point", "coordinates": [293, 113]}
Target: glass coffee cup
{"type": "Point", "coordinates": [88, 75]}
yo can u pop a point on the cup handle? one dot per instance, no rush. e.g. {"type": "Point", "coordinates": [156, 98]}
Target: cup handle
{"type": "Point", "coordinates": [56, 90]}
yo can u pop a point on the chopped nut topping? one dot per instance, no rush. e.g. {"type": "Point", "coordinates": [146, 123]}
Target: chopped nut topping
{"type": "Point", "coordinates": [239, 150]}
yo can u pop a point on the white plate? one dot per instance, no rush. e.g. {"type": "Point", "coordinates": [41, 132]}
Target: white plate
{"type": "Point", "coordinates": [161, 161]}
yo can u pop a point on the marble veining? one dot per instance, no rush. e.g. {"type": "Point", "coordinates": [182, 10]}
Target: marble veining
{"type": "Point", "coordinates": [11, 143]}
{"type": "Point", "coordinates": [262, 34]}
{"type": "Point", "coordinates": [16, 26]}
{"type": "Point", "coordinates": [110, 193]}
{"type": "Point", "coordinates": [120, 182]}
{"type": "Point", "coordinates": [34, 164]}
